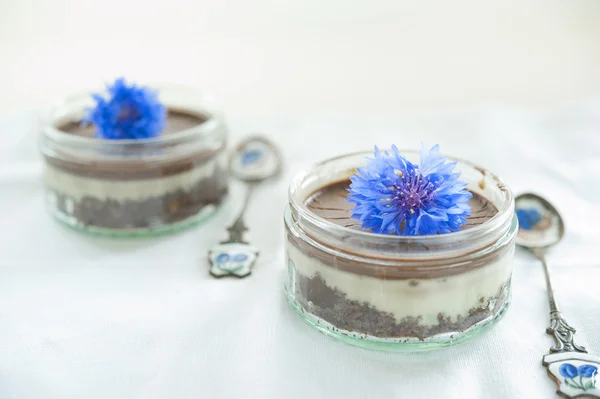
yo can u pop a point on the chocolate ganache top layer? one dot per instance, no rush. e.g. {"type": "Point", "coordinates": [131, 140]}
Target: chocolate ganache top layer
{"type": "Point", "coordinates": [176, 122]}
{"type": "Point", "coordinates": [134, 168]}
{"type": "Point", "coordinates": [330, 203]}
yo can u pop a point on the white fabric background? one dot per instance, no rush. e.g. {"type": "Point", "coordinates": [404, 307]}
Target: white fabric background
{"type": "Point", "coordinates": [264, 57]}
{"type": "Point", "coordinates": [84, 317]}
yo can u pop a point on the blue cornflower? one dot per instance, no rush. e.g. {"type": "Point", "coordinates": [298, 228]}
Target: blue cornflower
{"type": "Point", "coordinates": [394, 196]}
{"type": "Point", "coordinates": [129, 112]}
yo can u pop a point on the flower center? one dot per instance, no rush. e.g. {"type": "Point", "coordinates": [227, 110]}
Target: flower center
{"type": "Point", "coordinates": [412, 191]}
{"type": "Point", "coordinates": [128, 112]}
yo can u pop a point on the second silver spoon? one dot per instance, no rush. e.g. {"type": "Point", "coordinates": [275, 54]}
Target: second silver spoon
{"type": "Point", "coordinates": [253, 161]}
{"type": "Point", "coordinates": [569, 364]}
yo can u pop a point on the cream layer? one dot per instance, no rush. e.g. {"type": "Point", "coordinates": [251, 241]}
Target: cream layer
{"type": "Point", "coordinates": [78, 187]}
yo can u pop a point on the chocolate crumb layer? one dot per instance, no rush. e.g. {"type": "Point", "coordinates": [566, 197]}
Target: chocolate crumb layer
{"type": "Point", "coordinates": [331, 305]}
{"type": "Point", "coordinates": [160, 210]}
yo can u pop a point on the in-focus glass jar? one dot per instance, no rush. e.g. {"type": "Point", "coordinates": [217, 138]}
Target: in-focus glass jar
{"type": "Point", "coordinates": [136, 187]}
{"type": "Point", "coordinates": [396, 292]}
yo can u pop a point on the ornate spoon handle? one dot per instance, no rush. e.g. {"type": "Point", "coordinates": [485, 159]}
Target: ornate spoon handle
{"type": "Point", "coordinates": [238, 228]}
{"type": "Point", "coordinates": [234, 256]}
{"type": "Point", "coordinates": [569, 364]}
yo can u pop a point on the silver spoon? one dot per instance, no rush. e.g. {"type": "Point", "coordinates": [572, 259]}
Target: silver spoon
{"type": "Point", "coordinates": [569, 364]}
{"type": "Point", "coordinates": [253, 161]}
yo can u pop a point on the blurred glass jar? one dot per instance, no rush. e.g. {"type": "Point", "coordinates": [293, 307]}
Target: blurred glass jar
{"type": "Point", "coordinates": [396, 292]}
{"type": "Point", "coordinates": [136, 187]}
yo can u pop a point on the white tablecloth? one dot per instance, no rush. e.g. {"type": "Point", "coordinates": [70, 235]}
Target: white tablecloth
{"type": "Point", "coordinates": [85, 317]}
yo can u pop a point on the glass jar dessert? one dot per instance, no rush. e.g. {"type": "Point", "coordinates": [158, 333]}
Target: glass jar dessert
{"type": "Point", "coordinates": [396, 292]}
{"type": "Point", "coordinates": [135, 187]}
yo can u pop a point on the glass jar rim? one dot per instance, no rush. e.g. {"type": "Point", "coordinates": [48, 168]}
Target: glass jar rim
{"type": "Point", "coordinates": [502, 217]}
{"type": "Point", "coordinates": [213, 124]}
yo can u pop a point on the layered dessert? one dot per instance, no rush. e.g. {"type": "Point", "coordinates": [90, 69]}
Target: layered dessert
{"type": "Point", "coordinates": [352, 283]}
{"type": "Point", "coordinates": [133, 186]}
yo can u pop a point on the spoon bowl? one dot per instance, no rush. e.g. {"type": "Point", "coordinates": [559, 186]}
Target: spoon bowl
{"type": "Point", "coordinates": [255, 159]}
{"type": "Point", "coordinates": [540, 224]}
